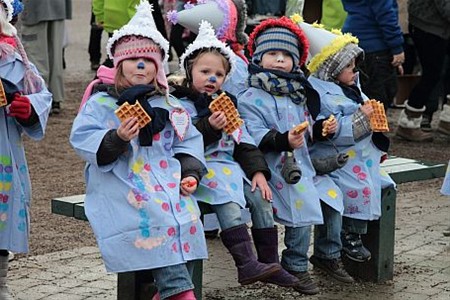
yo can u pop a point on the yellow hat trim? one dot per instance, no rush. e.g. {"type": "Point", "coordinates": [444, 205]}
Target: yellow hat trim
{"type": "Point", "coordinates": [337, 44]}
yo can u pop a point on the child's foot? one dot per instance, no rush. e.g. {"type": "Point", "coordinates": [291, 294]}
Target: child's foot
{"type": "Point", "coordinates": [353, 247]}
{"type": "Point", "coordinates": [305, 285]}
{"type": "Point", "coordinates": [332, 267]}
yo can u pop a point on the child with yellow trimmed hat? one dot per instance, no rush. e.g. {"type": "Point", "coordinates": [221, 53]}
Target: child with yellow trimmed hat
{"type": "Point", "coordinates": [334, 75]}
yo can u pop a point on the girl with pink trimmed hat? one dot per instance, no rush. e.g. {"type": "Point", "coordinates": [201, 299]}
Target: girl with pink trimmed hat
{"type": "Point", "coordinates": [140, 177]}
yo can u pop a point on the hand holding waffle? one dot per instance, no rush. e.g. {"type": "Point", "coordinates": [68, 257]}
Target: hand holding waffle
{"type": "Point", "coordinates": [367, 108]}
{"type": "Point", "coordinates": [218, 120]}
{"type": "Point", "coordinates": [128, 129]}
{"type": "Point", "coordinates": [296, 136]}
{"type": "Point", "coordinates": [329, 126]}
{"type": "Point", "coordinates": [224, 104]}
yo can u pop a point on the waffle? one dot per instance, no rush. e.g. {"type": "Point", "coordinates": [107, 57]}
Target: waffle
{"type": "Point", "coordinates": [224, 103]}
{"type": "Point", "coordinates": [300, 128]}
{"type": "Point", "coordinates": [3, 100]}
{"type": "Point", "coordinates": [326, 125]}
{"type": "Point", "coordinates": [378, 120]}
{"type": "Point", "coordinates": [126, 111]}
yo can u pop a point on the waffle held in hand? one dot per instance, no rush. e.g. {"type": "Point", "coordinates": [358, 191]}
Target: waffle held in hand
{"type": "Point", "coordinates": [126, 110]}
{"type": "Point", "coordinates": [224, 103]}
{"type": "Point", "coordinates": [378, 120]}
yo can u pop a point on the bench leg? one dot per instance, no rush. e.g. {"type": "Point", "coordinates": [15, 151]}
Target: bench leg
{"type": "Point", "coordinates": [380, 240]}
{"type": "Point", "coordinates": [135, 285]}
{"type": "Point", "coordinates": [139, 285]}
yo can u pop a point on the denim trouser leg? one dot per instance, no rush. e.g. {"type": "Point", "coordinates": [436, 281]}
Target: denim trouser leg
{"type": "Point", "coordinates": [228, 214]}
{"type": "Point", "coordinates": [172, 280]}
{"type": "Point", "coordinates": [327, 237]}
{"type": "Point", "coordinates": [260, 209]}
{"type": "Point", "coordinates": [354, 225]}
{"type": "Point", "coordinates": [295, 256]}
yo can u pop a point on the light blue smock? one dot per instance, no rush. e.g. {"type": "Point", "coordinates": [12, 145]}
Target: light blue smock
{"type": "Point", "coordinates": [224, 181]}
{"type": "Point", "coordinates": [134, 205]}
{"type": "Point", "coordinates": [15, 185]}
{"type": "Point", "coordinates": [445, 190]}
{"type": "Point", "coordinates": [295, 205]}
{"type": "Point", "coordinates": [361, 179]}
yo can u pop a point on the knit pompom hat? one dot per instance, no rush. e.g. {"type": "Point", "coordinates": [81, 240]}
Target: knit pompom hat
{"type": "Point", "coordinates": [228, 18]}
{"type": "Point", "coordinates": [141, 24]}
{"type": "Point", "coordinates": [10, 44]}
{"type": "Point", "coordinates": [331, 51]}
{"type": "Point", "coordinates": [207, 39]}
{"type": "Point", "coordinates": [278, 34]}
{"type": "Point", "coordinates": [139, 38]}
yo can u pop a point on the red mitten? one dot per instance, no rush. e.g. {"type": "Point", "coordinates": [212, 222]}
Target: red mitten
{"type": "Point", "coordinates": [20, 107]}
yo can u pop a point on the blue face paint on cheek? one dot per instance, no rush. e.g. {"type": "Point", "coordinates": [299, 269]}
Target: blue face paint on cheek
{"type": "Point", "coordinates": [141, 65]}
{"type": "Point", "coordinates": [212, 79]}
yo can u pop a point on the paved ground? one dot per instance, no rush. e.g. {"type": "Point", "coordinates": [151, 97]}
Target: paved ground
{"type": "Point", "coordinates": [422, 253]}
{"type": "Point", "coordinates": [421, 270]}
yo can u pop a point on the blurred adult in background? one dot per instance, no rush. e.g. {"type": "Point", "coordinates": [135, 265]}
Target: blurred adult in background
{"type": "Point", "coordinates": [43, 39]}
{"type": "Point", "coordinates": [375, 24]}
{"type": "Point", "coordinates": [429, 26]}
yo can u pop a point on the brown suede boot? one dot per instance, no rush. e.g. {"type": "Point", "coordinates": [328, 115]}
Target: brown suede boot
{"type": "Point", "coordinates": [409, 125]}
{"type": "Point", "coordinates": [444, 120]}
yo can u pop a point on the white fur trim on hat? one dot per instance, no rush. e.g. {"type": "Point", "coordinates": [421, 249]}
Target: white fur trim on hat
{"type": "Point", "coordinates": [9, 9]}
{"type": "Point", "coordinates": [141, 24]}
{"type": "Point", "coordinates": [206, 38]}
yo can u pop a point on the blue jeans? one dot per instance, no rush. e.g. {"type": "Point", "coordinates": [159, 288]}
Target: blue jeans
{"type": "Point", "coordinates": [295, 256]}
{"type": "Point", "coordinates": [354, 225]}
{"type": "Point", "coordinates": [327, 237]}
{"type": "Point", "coordinates": [228, 214]}
{"type": "Point", "coordinates": [172, 280]}
{"type": "Point", "coordinates": [260, 209]}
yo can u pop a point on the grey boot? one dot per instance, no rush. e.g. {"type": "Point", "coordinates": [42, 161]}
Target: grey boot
{"type": "Point", "coordinates": [444, 120]}
{"type": "Point", "coordinates": [329, 164]}
{"type": "Point", "coordinates": [4, 291]}
{"type": "Point", "coordinates": [290, 171]}
{"type": "Point", "coordinates": [409, 125]}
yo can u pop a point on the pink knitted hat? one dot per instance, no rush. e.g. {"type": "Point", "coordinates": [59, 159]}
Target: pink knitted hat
{"type": "Point", "coordinates": [133, 46]}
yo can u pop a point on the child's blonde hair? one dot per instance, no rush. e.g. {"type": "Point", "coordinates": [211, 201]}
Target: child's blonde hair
{"type": "Point", "coordinates": [195, 56]}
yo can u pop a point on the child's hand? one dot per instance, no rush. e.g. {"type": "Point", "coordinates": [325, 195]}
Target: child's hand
{"type": "Point", "coordinates": [188, 185]}
{"type": "Point", "coordinates": [332, 126]}
{"type": "Point", "coordinates": [367, 109]}
{"type": "Point", "coordinates": [259, 180]}
{"type": "Point", "coordinates": [218, 120]}
{"type": "Point", "coordinates": [296, 140]}
{"type": "Point", "coordinates": [128, 129]}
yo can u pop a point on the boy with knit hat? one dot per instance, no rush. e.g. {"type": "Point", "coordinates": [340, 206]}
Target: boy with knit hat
{"type": "Point", "coordinates": [334, 76]}
{"type": "Point", "coordinates": [24, 108]}
{"type": "Point", "coordinates": [279, 99]}
{"type": "Point", "coordinates": [140, 176]}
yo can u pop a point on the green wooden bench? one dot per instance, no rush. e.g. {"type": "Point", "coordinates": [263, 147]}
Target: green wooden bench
{"type": "Point", "coordinates": [379, 240]}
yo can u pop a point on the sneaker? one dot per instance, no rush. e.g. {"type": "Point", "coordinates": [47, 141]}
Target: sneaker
{"type": "Point", "coordinates": [353, 247]}
{"type": "Point", "coordinates": [305, 285]}
{"type": "Point", "coordinates": [56, 108]}
{"type": "Point", "coordinates": [425, 125]}
{"type": "Point", "coordinates": [332, 267]}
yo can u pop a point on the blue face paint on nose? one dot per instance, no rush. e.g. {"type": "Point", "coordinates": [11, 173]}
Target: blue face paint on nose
{"type": "Point", "coordinates": [213, 79]}
{"type": "Point", "coordinates": [141, 65]}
